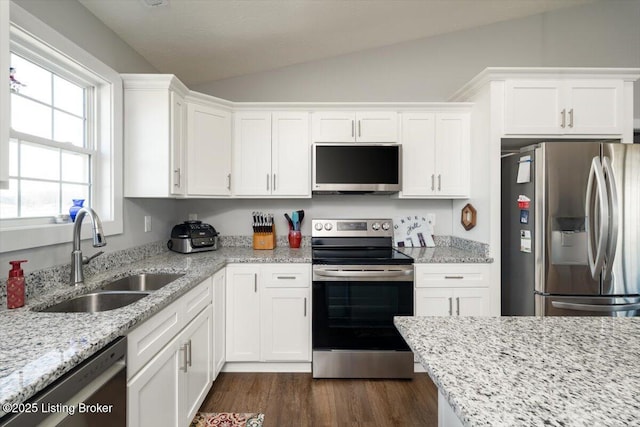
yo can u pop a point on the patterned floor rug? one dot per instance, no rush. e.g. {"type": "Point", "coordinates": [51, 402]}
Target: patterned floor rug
{"type": "Point", "coordinates": [227, 419]}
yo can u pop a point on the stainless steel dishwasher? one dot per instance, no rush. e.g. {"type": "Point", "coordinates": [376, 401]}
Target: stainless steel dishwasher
{"type": "Point", "coordinates": [92, 394]}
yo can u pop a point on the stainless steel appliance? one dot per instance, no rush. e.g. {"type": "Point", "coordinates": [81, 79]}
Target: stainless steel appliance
{"type": "Point", "coordinates": [356, 168]}
{"type": "Point", "coordinates": [575, 249]}
{"type": "Point", "coordinates": [94, 394]}
{"type": "Point", "coordinates": [360, 282]}
{"type": "Point", "coordinates": [193, 236]}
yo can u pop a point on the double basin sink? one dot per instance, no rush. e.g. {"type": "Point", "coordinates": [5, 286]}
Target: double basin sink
{"type": "Point", "coordinates": [116, 294]}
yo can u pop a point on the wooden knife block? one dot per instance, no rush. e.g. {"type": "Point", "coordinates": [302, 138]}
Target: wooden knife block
{"type": "Point", "coordinates": [264, 240]}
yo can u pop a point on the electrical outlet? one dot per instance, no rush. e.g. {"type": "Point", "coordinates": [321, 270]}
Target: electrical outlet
{"type": "Point", "coordinates": [147, 223]}
{"type": "Point", "coordinates": [193, 217]}
{"type": "Point", "coordinates": [431, 219]}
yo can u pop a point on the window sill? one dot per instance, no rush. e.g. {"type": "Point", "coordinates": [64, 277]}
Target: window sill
{"type": "Point", "coordinates": [29, 237]}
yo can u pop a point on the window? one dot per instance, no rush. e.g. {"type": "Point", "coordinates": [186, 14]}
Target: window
{"type": "Point", "coordinates": [65, 137]}
{"type": "Point", "coordinates": [52, 146]}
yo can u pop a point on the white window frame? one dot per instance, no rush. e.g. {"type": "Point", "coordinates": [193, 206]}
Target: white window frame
{"type": "Point", "coordinates": [107, 193]}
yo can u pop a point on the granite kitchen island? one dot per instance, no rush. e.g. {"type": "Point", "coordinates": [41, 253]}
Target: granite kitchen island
{"type": "Point", "coordinates": [530, 371]}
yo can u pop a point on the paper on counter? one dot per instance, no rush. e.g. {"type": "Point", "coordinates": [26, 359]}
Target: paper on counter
{"type": "Point", "coordinates": [524, 170]}
{"type": "Point", "coordinates": [412, 231]}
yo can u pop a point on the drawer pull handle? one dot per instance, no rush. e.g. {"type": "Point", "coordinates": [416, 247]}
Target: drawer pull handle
{"type": "Point", "coordinates": [305, 306]}
{"type": "Point", "coordinates": [185, 360]}
{"type": "Point", "coordinates": [255, 283]}
{"type": "Point", "coordinates": [286, 277]}
{"type": "Point", "coordinates": [450, 306]}
{"type": "Point", "coordinates": [189, 353]}
{"type": "Point", "coordinates": [457, 306]}
{"type": "Point", "coordinates": [454, 277]}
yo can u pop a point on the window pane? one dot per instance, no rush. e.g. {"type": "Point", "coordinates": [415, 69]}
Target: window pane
{"type": "Point", "coordinates": [68, 128]}
{"type": "Point", "coordinates": [39, 162]}
{"type": "Point", "coordinates": [30, 117]}
{"type": "Point", "coordinates": [13, 157]}
{"type": "Point", "coordinates": [9, 200]}
{"type": "Point", "coordinates": [75, 167]}
{"type": "Point", "coordinates": [73, 191]}
{"type": "Point", "coordinates": [37, 80]}
{"type": "Point", "coordinates": [39, 198]}
{"type": "Point", "coordinates": [68, 96]}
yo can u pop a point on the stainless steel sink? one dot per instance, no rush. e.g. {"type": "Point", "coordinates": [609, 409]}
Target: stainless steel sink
{"type": "Point", "coordinates": [94, 302]}
{"type": "Point", "coordinates": [142, 282]}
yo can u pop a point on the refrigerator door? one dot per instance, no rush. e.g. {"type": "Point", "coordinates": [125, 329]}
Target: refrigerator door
{"type": "Point", "coordinates": [562, 174]}
{"type": "Point", "coordinates": [621, 273]}
{"type": "Point", "coordinates": [587, 306]}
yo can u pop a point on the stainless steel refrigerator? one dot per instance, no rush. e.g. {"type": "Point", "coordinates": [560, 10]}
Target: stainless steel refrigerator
{"type": "Point", "coordinates": [573, 249]}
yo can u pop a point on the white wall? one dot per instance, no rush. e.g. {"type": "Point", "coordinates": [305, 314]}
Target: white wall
{"type": "Point", "coordinates": [603, 34]}
{"type": "Point", "coordinates": [233, 217]}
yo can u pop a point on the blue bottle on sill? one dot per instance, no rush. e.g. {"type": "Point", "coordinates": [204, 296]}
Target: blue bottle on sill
{"type": "Point", "coordinates": [73, 210]}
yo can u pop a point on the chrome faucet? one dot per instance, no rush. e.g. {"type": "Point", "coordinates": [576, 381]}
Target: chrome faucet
{"type": "Point", "coordinates": [77, 260]}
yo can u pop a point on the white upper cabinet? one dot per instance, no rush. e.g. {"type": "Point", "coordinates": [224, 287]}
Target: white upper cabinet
{"type": "Point", "coordinates": [4, 94]}
{"type": "Point", "coordinates": [574, 107]}
{"type": "Point", "coordinates": [271, 154]}
{"type": "Point", "coordinates": [154, 136]}
{"type": "Point", "coordinates": [208, 151]}
{"type": "Point", "coordinates": [435, 155]}
{"type": "Point", "coordinates": [347, 126]}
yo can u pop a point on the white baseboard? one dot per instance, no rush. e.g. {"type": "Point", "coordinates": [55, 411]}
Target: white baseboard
{"type": "Point", "coordinates": [267, 367]}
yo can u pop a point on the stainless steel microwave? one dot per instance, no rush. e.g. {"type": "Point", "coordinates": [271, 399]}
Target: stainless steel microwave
{"type": "Point", "coordinates": [356, 168]}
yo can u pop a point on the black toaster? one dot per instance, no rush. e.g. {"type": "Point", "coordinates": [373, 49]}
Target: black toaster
{"type": "Point", "coordinates": [193, 236]}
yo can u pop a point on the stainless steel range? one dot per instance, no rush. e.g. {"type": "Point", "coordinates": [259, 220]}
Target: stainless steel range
{"type": "Point", "coordinates": [360, 282]}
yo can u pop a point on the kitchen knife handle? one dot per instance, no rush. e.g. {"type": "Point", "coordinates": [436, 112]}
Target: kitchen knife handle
{"type": "Point", "coordinates": [563, 114]}
{"type": "Point", "coordinates": [176, 181]}
{"type": "Point", "coordinates": [229, 181]}
{"type": "Point", "coordinates": [457, 306]}
{"type": "Point", "coordinates": [450, 306]}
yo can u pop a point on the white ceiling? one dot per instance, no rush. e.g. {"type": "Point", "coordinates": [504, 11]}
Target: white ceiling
{"type": "Point", "coordinates": [206, 40]}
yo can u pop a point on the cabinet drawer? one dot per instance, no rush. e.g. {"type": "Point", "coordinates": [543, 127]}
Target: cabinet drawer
{"type": "Point", "coordinates": [196, 299]}
{"type": "Point", "coordinates": [144, 342]}
{"type": "Point", "coordinates": [451, 275]}
{"type": "Point", "coordinates": [286, 276]}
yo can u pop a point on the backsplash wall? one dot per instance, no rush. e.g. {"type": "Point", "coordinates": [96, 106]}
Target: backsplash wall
{"type": "Point", "coordinates": [233, 217]}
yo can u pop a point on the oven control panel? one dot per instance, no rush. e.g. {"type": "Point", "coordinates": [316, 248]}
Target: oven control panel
{"type": "Point", "coordinates": [351, 228]}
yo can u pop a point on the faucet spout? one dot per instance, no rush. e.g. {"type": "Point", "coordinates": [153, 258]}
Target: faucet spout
{"type": "Point", "coordinates": [77, 274]}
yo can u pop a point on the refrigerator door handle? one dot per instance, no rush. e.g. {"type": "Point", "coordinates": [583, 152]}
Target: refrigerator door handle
{"type": "Point", "coordinates": [613, 216]}
{"type": "Point", "coordinates": [596, 307]}
{"type": "Point", "coordinates": [596, 175]}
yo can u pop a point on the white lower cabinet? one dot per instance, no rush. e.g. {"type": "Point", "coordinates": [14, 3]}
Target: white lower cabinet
{"type": "Point", "coordinates": [452, 290]}
{"type": "Point", "coordinates": [268, 313]}
{"type": "Point", "coordinates": [169, 386]}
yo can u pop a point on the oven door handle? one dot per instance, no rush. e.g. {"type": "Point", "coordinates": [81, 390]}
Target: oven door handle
{"type": "Point", "coordinates": [364, 273]}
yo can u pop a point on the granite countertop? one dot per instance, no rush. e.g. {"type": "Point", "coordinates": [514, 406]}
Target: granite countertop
{"type": "Point", "coordinates": [445, 254]}
{"type": "Point", "coordinates": [37, 348]}
{"type": "Point", "coordinates": [533, 371]}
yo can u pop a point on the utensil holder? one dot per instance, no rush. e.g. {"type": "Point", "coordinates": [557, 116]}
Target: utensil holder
{"type": "Point", "coordinates": [264, 240]}
{"type": "Point", "coordinates": [295, 237]}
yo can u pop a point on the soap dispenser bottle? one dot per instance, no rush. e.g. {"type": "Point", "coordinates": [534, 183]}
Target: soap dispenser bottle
{"type": "Point", "coordinates": [15, 285]}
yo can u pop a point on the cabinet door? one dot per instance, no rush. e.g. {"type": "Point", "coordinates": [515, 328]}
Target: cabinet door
{"type": "Point", "coordinates": [243, 314]}
{"type": "Point", "coordinates": [197, 337]}
{"type": "Point", "coordinates": [153, 395]}
{"type": "Point", "coordinates": [452, 155]}
{"type": "Point", "coordinates": [208, 151]}
{"type": "Point", "coordinates": [286, 324]}
{"type": "Point", "coordinates": [434, 302]}
{"type": "Point", "coordinates": [471, 301]}
{"type": "Point", "coordinates": [291, 159]}
{"type": "Point", "coordinates": [178, 125]}
{"type": "Point", "coordinates": [333, 126]}
{"type": "Point", "coordinates": [252, 154]}
{"type": "Point", "coordinates": [219, 322]}
{"type": "Point", "coordinates": [377, 126]}
{"type": "Point", "coordinates": [594, 107]}
{"type": "Point", "coordinates": [533, 107]}
{"type": "Point", "coordinates": [418, 148]}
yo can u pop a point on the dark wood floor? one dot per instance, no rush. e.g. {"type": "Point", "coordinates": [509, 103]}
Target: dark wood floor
{"type": "Point", "coordinates": [293, 399]}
